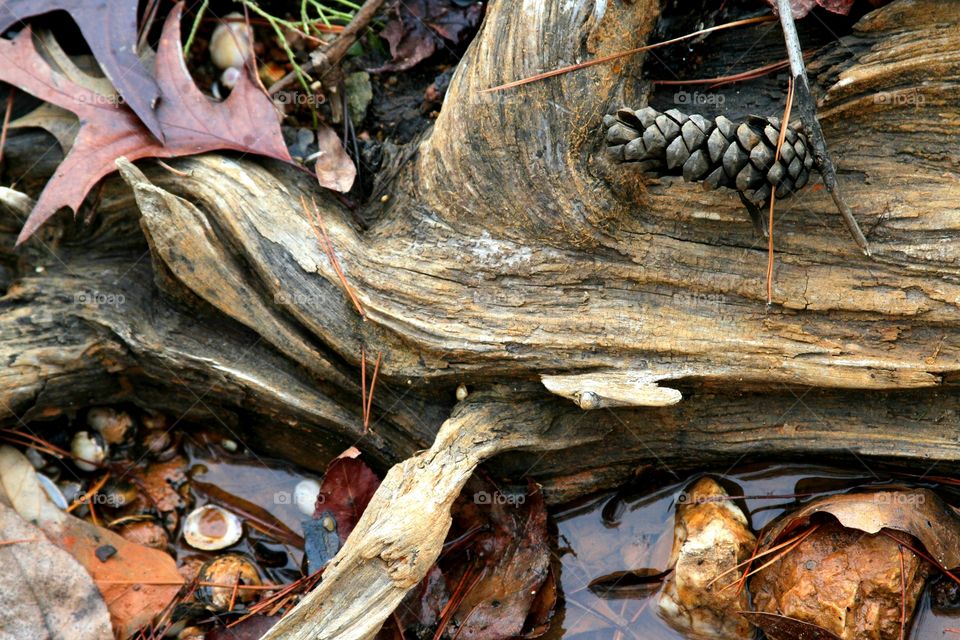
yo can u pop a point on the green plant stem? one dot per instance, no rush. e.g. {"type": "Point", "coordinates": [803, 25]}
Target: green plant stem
{"type": "Point", "coordinates": [194, 27]}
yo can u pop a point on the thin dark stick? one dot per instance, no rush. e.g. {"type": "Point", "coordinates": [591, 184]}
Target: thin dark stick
{"type": "Point", "coordinates": [6, 121]}
{"type": "Point", "coordinates": [808, 113]}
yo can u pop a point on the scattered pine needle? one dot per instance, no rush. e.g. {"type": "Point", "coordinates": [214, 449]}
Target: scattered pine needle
{"type": "Point", "coordinates": [628, 52]}
{"type": "Point", "coordinates": [794, 544]}
{"type": "Point", "coordinates": [773, 192]}
{"type": "Point", "coordinates": [320, 230]}
{"type": "Point", "coordinates": [756, 554]}
{"type": "Point", "coordinates": [722, 80]}
{"type": "Point", "coordinates": [4, 543]}
{"type": "Point", "coordinates": [456, 599]}
{"type": "Point", "coordinates": [276, 602]}
{"type": "Point", "coordinates": [923, 555]}
{"type": "Point", "coordinates": [90, 492]}
{"type": "Point", "coordinates": [35, 442]}
{"type": "Point", "coordinates": [903, 595]}
{"type": "Point", "coordinates": [6, 121]}
{"type": "Point", "coordinates": [233, 594]}
{"type": "Point", "coordinates": [367, 400]}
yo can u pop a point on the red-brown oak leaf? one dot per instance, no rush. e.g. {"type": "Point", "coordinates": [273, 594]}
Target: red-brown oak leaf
{"type": "Point", "coordinates": [246, 121]}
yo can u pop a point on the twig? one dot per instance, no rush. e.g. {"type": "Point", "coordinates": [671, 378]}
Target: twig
{"type": "Point", "coordinates": [325, 60]}
{"type": "Point", "coordinates": [808, 113]}
{"type": "Point", "coordinates": [624, 54]}
{"type": "Point", "coordinates": [320, 230]}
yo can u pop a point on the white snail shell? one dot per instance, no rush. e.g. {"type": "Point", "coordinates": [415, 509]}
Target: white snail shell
{"type": "Point", "coordinates": [88, 449]}
{"type": "Point", "coordinates": [211, 528]}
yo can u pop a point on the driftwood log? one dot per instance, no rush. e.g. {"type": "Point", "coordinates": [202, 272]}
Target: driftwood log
{"type": "Point", "coordinates": [506, 252]}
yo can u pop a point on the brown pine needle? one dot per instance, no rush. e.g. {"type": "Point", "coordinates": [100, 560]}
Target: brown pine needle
{"type": "Point", "coordinates": [373, 384]}
{"type": "Point", "coordinates": [4, 543]}
{"type": "Point", "coordinates": [628, 52]}
{"type": "Point", "coordinates": [796, 543]}
{"type": "Point", "coordinates": [773, 192]}
{"type": "Point", "coordinates": [363, 386]}
{"type": "Point", "coordinates": [754, 557]}
{"type": "Point", "coordinates": [86, 497]}
{"type": "Point", "coordinates": [923, 555]}
{"type": "Point", "coordinates": [46, 446]}
{"type": "Point", "coordinates": [233, 594]}
{"type": "Point", "coordinates": [721, 80]}
{"type": "Point", "coordinates": [6, 121]}
{"type": "Point", "coordinates": [323, 239]}
{"type": "Point", "coordinates": [174, 583]}
{"type": "Point", "coordinates": [903, 595]}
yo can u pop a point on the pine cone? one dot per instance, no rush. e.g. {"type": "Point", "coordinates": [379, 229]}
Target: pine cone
{"type": "Point", "coordinates": [718, 152]}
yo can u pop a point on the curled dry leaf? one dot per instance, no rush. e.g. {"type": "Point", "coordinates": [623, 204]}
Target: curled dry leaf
{"type": "Point", "coordinates": [246, 121]}
{"type": "Point", "coordinates": [335, 170]}
{"type": "Point", "coordinates": [918, 512]}
{"type": "Point", "coordinates": [60, 123]}
{"type": "Point", "coordinates": [44, 588]}
{"type": "Point", "coordinates": [110, 29]}
{"type": "Point", "coordinates": [136, 582]}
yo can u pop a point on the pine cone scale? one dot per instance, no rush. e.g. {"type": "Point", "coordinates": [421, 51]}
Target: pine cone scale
{"type": "Point", "coordinates": [716, 151]}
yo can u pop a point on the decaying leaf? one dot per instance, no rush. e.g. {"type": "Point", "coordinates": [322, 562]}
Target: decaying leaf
{"type": "Point", "coordinates": [516, 552]}
{"type": "Point", "coordinates": [335, 170]}
{"type": "Point", "coordinates": [192, 124]}
{"type": "Point", "coordinates": [633, 583]}
{"type": "Point", "coordinates": [110, 29]}
{"type": "Point", "coordinates": [777, 627]}
{"type": "Point", "coordinates": [419, 27]}
{"type": "Point", "coordinates": [345, 492]}
{"type": "Point", "coordinates": [46, 594]}
{"type": "Point", "coordinates": [136, 582]}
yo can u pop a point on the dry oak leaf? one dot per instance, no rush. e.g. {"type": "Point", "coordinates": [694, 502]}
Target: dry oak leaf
{"type": "Point", "coordinates": [110, 29]}
{"type": "Point", "coordinates": [246, 121]}
{"type": "Point", "coordinates": [136, 582]}
{"type": "Point", "coordinates": [46, 594]}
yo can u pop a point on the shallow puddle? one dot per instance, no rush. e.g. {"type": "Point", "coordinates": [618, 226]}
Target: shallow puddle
{"type": "Point", "coordinates": [632, 529]}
